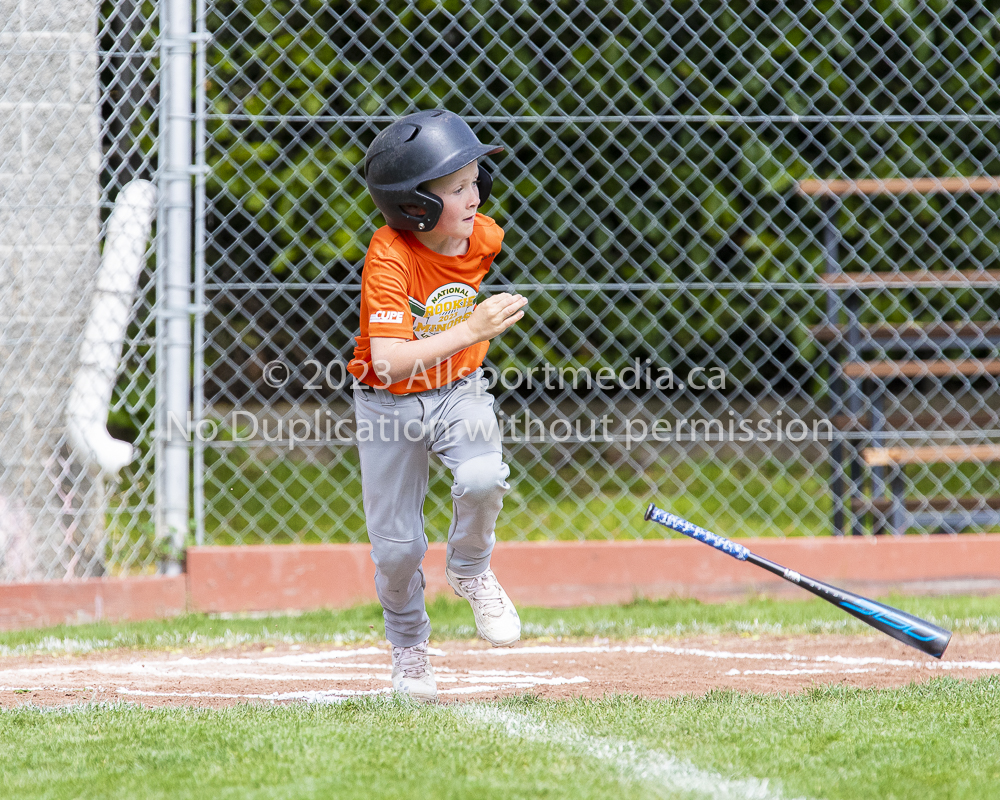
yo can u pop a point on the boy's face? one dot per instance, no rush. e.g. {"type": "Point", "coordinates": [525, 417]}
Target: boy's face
{"type": "Point", "coordinates": [459, 192]}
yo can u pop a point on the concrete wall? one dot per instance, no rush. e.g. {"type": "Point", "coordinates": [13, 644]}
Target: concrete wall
{"type": "Point", "coordinates": [49, 226]}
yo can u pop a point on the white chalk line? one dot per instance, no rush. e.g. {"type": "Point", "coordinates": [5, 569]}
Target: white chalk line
{"type": "Point", "coordinates": [632, 760]}
{"type": "Point", "coordinates": [454, 681]}
{"type": "Point", "coordinates": [468, 681]}
{"type": "Point", "coordinates": [313, 696]}
{"type": "Point", "coordinates": [337, 695]}
{"type": "Point", "coordinates": [798, 671]}
{"type": "Point", "coordinates": [166, 670]}
{"type": "Point", "coordinates": [729, 655]}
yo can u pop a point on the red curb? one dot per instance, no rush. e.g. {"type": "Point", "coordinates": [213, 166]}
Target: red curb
{"type": "Point", "coordinates": [36, 605]}
{"type": "Point", "coordinates": [262, 578]}
{"type": "Point", "coordinates": [304, 577]}
{"type": "Point", "coordinates": [279, 577]}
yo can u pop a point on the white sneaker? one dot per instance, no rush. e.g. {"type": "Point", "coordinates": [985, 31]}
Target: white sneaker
{"type": "Point", "coordinates": [496, 618]}
{"type": "Point", "coordinates": [412, 673]}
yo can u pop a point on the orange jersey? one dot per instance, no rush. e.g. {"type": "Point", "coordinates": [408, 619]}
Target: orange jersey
{"type": "Point", "coordinates": [410, 292]}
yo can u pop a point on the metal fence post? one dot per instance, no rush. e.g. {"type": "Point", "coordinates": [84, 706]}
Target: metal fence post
{"type": "Point", "coordinates": [175, 176]}
{"type": "Point", "coordinates": [200, 71]}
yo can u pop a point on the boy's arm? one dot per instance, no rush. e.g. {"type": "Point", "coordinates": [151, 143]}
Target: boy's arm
{"type": "Point", "coordinates": [397, 359]}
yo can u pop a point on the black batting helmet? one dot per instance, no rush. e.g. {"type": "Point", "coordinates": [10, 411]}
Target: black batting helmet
{"type": "Point", "coordinates": [413, 150]}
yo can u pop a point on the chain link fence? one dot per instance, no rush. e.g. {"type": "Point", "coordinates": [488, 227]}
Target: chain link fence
{"type": "Point", "coordinates": [78, 111]}
{"type": "Point", "coordinates": [650, 195]}
{"type": "Point", "coordinates": [715, 323]}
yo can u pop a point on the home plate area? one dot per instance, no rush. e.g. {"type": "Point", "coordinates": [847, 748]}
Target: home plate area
{"type": "Point", "coordinates": [472, 670]}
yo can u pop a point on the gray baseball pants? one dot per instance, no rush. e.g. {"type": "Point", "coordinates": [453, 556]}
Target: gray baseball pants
{"type": "Point", "coordinates": [396, 435]}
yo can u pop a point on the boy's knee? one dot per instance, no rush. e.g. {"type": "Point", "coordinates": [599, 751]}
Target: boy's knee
{"type": "Point", "coordinates": [481, 478]}
{"type": "Point", "coordinates": [400, 560]}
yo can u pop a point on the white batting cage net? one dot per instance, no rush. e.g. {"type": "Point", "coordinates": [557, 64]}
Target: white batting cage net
{"type": "Point", "coordinates": [759, 245]}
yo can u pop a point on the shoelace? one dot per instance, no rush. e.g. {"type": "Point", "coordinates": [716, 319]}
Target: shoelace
{"type": "Point", "coordinates": [412, 660]}
{"type": "Point", "coordinates": [484, 589]}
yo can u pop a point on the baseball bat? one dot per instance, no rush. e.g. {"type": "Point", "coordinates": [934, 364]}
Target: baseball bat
{"type": "Point", "coordinates": [901, 626]}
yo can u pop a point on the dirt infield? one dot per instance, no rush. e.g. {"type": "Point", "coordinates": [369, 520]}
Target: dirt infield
{"type": "Point", "coordinates": [471, 669]}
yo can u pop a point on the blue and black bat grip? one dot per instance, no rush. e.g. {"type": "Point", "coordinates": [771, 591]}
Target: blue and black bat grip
{"type": "Point", "coordinates": [903, 627]}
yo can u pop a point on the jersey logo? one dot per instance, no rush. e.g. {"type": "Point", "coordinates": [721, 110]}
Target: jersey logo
{"type": "Point", "coordinates": [444, 307]}
{"type": "Point", "coordinates": [386, 316]}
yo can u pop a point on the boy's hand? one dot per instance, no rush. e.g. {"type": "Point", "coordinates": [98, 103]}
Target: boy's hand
{"type": "Point", "coordinates": [495, 314]}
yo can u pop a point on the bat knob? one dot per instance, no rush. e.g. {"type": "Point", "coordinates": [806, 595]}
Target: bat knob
{"type": "Point", "coordinates": [649, 512]}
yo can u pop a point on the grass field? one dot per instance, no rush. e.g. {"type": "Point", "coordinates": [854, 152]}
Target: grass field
{"type": "Point", "coordinates": [452, 619]}
{"type": "Point", "coordinates": [275, 500]}
{"type": "Point", "coordinates": [933, 740]}
{"type": "Point", "coordinates": [938, 740]}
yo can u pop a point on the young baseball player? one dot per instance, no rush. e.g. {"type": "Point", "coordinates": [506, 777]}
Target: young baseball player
{"type": "Point", "coordinates": [420, 387]}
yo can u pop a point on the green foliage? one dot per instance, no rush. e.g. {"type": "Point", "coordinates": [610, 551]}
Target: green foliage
{"type": "Point", "coordinates": [281, 499]}
{"type": "Point", "coordinates": [648, 143]}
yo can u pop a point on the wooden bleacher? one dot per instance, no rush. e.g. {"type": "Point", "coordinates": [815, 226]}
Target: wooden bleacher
{"type": "Point", "coordinates": [859, 380]}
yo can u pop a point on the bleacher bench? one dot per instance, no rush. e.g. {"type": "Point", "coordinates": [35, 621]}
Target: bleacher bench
{"type": "Point", "coordinates": [849, 343]}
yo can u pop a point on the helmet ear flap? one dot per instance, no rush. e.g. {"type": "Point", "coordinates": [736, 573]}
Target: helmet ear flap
{"type": "Point", "coordinates": [433, 207]}
{"type": "Point", "coordinates": [485, 184]}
